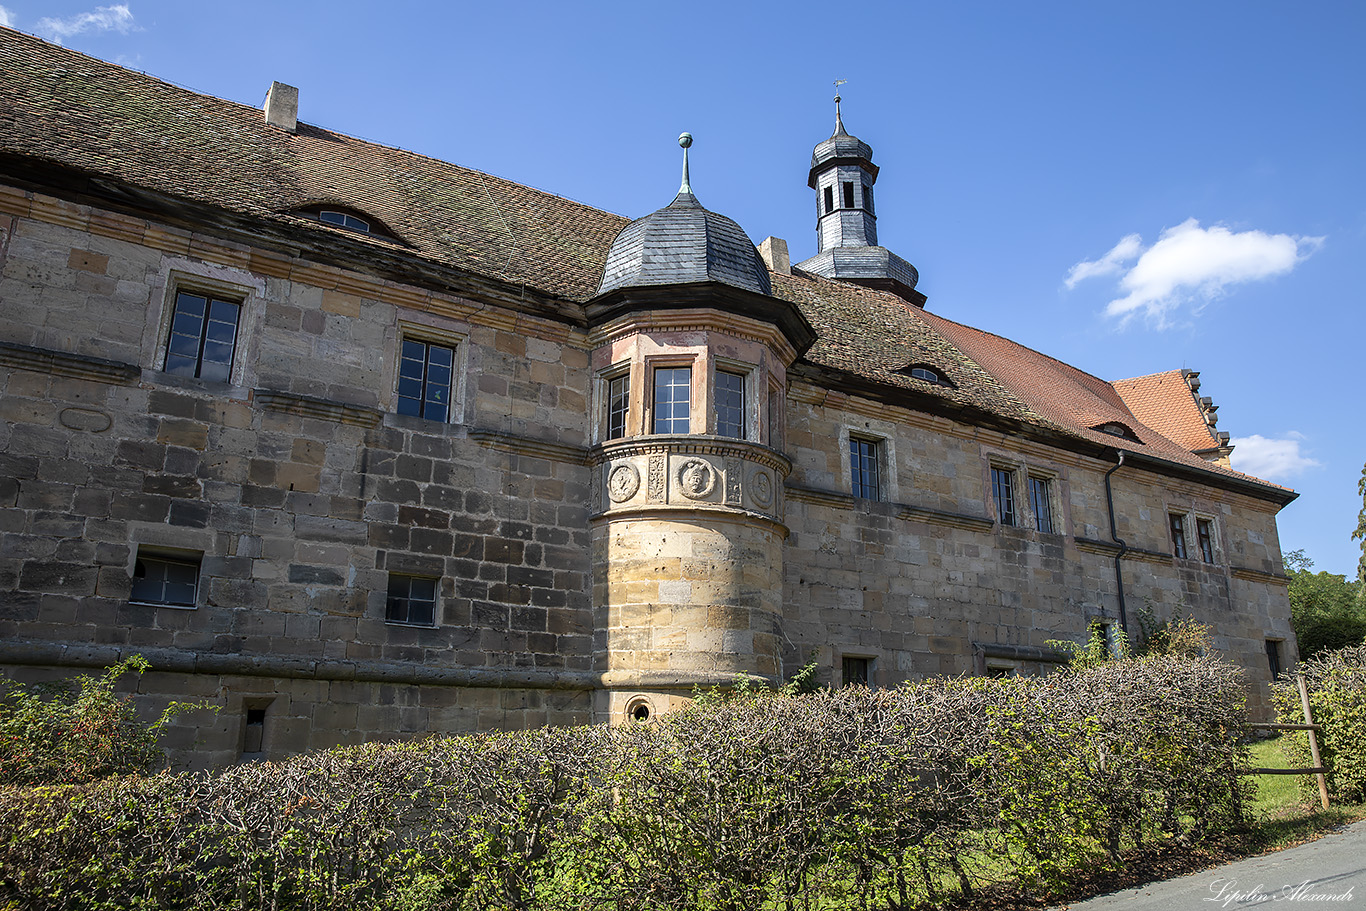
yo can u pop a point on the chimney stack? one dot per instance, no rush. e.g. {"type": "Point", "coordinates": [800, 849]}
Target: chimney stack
{"type": "Point", "coordinates": [773, 251]}
{"type": "Point", "coordinates": [282, 106]}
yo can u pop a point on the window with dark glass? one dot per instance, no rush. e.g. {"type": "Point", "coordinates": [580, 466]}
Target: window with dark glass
{"type": "Point", "coordinates": [829, 200]}
{"type": "Point", "coordinates": [164, 580]}
{"type": "Point", "coordinates": [1041, 503]}
{"type": "Point", "coordinates": [618, 403]}
{"type": "Point", "coordinates": [1204, 534]}
{"type": "Point", "coordinates": [924, 373]}
{"type": "Point", "coordinates": [730, 404]}
{"type": "Point", "coordinates": [1178, 526]}
{"type": "Point", "coordinates": [425, 374]}
{"type": "Point", "coordinates": [1003, 488]}
{"type": "Point", "coordinates": [848, 194]}
{"type": "Point", "coordinates": [255, 732]}
{"type": "Point", "coordinates": [855, 671]}
{"type": "Point", "coordinates": [203, 336]}
{"type": "Point", "coordinates": [412, 600]}
{"type": "Point", "coordinates": [1273, 657]}
{"type": "Point", "coordinates": [868, 198]}
{"type": "Point", "coordinates": [344, 220]}
{"type": "Point", "coordinates": [863, 466]}
{"type": "Point", "coordinates": [673, 399]}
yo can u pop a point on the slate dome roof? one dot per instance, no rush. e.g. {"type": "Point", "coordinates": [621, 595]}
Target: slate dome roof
{"type": "Point", "coordinates": [683, 243]}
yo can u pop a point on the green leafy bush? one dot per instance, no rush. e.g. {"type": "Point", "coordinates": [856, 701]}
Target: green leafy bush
{"type": "Point", "coordinates": [77, 731]}
{"type": "Point", "coordinates": [1336, 681]}
{"type": "Point", "coordinates": [847, 799]}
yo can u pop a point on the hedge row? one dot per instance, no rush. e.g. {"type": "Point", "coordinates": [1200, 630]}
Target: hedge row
{"type": "Point", "coordinates": [1336, 682]}
{"type": "Point", "coordinates": [856, 798]}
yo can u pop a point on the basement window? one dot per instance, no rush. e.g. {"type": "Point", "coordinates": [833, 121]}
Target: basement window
{"type": "Point", "coordinates": [855, 671]}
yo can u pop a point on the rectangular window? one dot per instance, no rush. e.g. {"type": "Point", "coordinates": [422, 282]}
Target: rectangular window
{"type": "Point", "coordinates": [863, 466]}
{"type": "Point", "coordinates": [203, 336]}
{"type": "Point", "coordinates": [1041, 503]}
{"type": "Point", "coordinates": [618, 403]}
{"type": "Point", "coordinates": [673, 399]}
{"type": "Point", "coordinates": [868, 198]}
{"type": "Point", "coordinates": [165, 580]}
{"type": "Point", "coordinates": [1273, 657]}
{"type": "Point", "coordinates": [1003, 488]}
{"type": "Point", "coordinates": [730, 405]}
{"type": "Point", "coordinates": [829, 200]}
{"type": "Point", "coordinates": [848, 194]}
{"type": "Point", "coordinates": [1204, 534]}
{"type": "Point", "coordinates": [425, 375]}
{"type": "Point", "coordinates": [855, 671]}
{"type": "Point", "coordinates": [1178, 526]}
{"type": "Point", "coordinates": [412, 600]}
{"type": "Point", "coordinates": [255, 733]}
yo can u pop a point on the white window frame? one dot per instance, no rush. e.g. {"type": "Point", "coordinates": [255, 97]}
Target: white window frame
{"type": "Point", "coordinates": [409, 329]}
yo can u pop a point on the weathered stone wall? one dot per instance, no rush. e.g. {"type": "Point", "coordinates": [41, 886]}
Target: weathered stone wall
{"type": "Point", "coordinates": [296, 481]}
{"type": "Point", "coordinates": [927, 581]}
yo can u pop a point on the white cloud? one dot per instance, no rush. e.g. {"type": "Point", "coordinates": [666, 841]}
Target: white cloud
{"type": "Point", "coordinates": [1271, 458]}
{"type": "Point", "coordinates": [1128, 247]}
{"type": "Point", "coordinates": [101, 19]}
{"type": "Point", "coordinates": [6, 18]}
{"type": "Point", "coordinates": [1191, 265]}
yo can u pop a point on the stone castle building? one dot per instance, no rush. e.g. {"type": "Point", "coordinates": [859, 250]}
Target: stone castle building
{"type": "Point", "coordinates": [359, 444]}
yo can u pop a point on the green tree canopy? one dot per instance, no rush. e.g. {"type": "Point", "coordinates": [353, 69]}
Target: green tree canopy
{"type": "Point", "coordinates": [1326, 610]}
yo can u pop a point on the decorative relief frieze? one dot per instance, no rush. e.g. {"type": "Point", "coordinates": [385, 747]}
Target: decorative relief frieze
{"type": "Point", "coordinates": [678, 472]}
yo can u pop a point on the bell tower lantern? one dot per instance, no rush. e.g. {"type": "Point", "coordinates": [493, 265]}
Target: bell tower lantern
{"type": "Point", "coordinates": [843, 174]}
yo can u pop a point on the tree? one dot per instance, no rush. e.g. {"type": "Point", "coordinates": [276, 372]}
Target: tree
{"type": "Point", "coordinates": [1326, 610]}
{"type": "Point", "coordinates": [1360, 533]}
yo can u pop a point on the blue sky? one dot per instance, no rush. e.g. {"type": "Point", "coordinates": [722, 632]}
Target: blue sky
{"type": "Point", "coordinates": [1128, 187]}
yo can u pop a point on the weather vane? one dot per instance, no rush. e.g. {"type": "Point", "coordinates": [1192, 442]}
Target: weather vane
{"type": "Point", "coordinates": [838, 122]}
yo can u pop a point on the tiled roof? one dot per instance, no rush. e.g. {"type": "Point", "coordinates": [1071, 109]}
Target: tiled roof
{"type": "Point", "coordinates": [1165, 402]}
{"type": "Point", "coordinates": [159, 136]}
{"type": "Point", "coordinates": [62, 107]}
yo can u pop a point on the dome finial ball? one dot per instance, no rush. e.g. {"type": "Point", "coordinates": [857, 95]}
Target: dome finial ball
{"type": "Point", "coordinates": [685, 139]}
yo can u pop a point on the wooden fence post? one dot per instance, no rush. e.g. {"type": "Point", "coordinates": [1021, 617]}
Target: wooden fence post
{"type": "Point", "coordinates": [1313, 740]}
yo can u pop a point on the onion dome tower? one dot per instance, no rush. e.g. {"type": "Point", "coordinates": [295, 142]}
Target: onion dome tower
{"type": "Point", "coordinates": [689, 355]}
{"type": "Point", "coordinates": [843, 174]}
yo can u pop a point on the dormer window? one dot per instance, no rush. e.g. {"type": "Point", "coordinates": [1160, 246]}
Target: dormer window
{"type": "Point", "coordinates": [922, 373]}
{"type": "Point", "coordinates": [927, 373]}
{"type": "Point", "coordinates": [344, 220]}
{"type": "Point", "coordinates": [347, 219]}
{"type": "Point", "coordinates": [1116, 429]}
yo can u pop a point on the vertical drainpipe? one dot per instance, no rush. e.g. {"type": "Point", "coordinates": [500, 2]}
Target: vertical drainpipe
{"type": "Point", "coordinates": [1123, 548]}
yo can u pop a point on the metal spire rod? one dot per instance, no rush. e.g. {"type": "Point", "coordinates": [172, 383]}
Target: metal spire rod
{"type": "Point", "coordinates": [685, 140]}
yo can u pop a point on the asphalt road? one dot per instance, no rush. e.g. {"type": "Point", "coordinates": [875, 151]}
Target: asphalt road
{"type": "Point", "coordinates": [1328, 873]}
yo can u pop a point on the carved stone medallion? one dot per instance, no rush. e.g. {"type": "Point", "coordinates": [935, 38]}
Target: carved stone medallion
{"type": "Point", "coordinates": [622, 483]}
{"type": "Point", "coordinates": [761, 488]}
{"type": "Point", "coordinates": [696, 479]}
